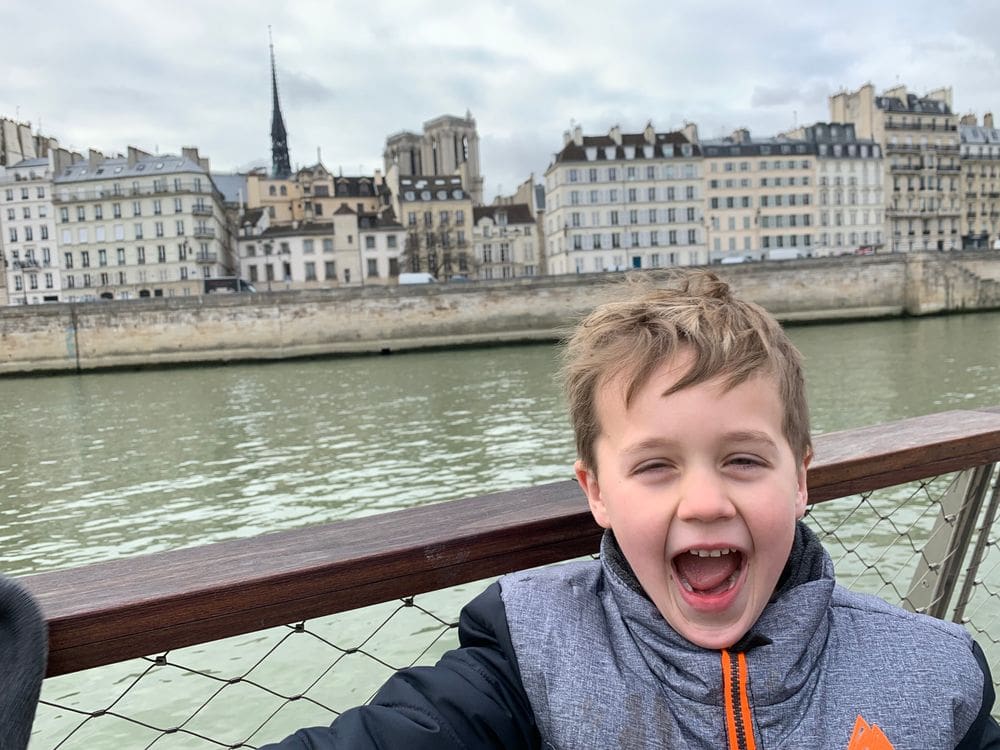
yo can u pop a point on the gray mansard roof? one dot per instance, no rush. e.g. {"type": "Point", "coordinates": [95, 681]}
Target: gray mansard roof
{"type": "Point", "coordinates": [604, 148]}
{"type": "Point", "coordinates": [978, 134]}
{"type": "Point", "coordinates": [913, 103]}
{"type": "Point", "coordinates": [119, 168]}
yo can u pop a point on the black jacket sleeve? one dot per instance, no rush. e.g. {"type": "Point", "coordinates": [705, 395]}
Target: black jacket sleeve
{"type": "Point", "coordinates": [984, 734]}
{"type": "Point", "coordinates": [472, 699]}
{"type": "Point", "coordinates": [23, 649]}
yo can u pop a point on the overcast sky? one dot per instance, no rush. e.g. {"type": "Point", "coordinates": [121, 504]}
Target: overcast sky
{"type": "Point", "coordinates": [112, 73]}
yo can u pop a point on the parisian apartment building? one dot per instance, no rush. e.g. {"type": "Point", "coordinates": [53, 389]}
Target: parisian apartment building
{"type": "Point", "coordinates": [348, 248]}
{"type": "Point", "coordinates": [436, 213]}
{"type": "Point", "coordinates": [507, 242]}
{"type": "Point", "coordinates": [317, 229]}
{"type": "Point", "coordinates": [980, 183]}
{"type": "Point", "coordinates": [811, 192]}
{"type": "Point", "coordinates": [28, 242]}
{"type": "Point", "coordinates": [922, 167]}
{"type": "Point", "coordinates": [139, 225]}
{"type": "Point", "coordinates": [625, 201]}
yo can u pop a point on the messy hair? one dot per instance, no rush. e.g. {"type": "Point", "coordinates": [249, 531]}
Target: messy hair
{"type": "Point", "coordinates": [695, 312]}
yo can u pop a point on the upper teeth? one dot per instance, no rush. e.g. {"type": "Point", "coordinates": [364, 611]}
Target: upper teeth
{"type": "Point", "coordinates": [710, 552]}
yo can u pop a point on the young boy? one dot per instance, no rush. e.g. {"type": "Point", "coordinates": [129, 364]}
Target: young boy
{"type": "Point", "coordinates": [712, 619]}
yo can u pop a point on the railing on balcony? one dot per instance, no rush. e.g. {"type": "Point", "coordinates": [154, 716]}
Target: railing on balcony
{"type": "Point", "coordinates": [201, 210]}
{"type": "Point", "coordinates": [948, 564]}
{"type": "Point", "coordinates": [207, 258]}
{"type": "Point", "coordinates": [204, 233]}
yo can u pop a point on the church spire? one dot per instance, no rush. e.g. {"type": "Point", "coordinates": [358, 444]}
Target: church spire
{"type": "Point", "coordinates": [280, 163]}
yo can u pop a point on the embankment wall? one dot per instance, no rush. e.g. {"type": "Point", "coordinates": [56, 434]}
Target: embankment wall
{"type": "Point", "coordinates": [220, 328]}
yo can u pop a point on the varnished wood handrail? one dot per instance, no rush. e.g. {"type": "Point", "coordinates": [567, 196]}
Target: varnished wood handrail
{"type": "Point", "coordinates": [108, 612]}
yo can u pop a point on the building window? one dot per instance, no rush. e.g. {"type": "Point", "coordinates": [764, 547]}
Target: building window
{"type": "Point", "coordinates": [372, 267]}
{"type": "Point", "coordinates": [310, 271]}
{"type": "Point", "coordinates": [369, 244]}
{"type": "Point", "coordinates": [330, 270]}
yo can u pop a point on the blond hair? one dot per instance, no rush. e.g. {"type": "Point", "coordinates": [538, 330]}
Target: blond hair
{"type": "Point", "coordinates": [695, 312]}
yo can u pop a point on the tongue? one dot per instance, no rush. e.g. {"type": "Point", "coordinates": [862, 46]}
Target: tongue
{"type": "Point", "coordinates": [706, 573]}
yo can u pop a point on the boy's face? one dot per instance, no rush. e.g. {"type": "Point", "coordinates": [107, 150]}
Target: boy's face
{"type": "Point", "coordinates": [702, 491]}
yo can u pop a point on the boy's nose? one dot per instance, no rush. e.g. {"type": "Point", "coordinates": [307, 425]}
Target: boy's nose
{"type": "Point", "coordinates": [704, 497]}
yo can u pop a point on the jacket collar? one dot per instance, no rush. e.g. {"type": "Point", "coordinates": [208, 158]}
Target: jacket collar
{"type": "Point", "coordinates": [782, 646]}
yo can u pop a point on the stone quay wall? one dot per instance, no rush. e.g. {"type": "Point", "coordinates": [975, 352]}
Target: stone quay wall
{"type": "Point", "coordinates": [278, 325]}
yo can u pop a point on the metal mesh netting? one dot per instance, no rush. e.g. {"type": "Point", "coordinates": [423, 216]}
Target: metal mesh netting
{"type": "Point", "coordinates": [256, 688]}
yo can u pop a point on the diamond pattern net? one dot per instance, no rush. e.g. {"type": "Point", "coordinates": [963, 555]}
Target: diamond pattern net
{"type": "Point", "coordinates": [248, 690]}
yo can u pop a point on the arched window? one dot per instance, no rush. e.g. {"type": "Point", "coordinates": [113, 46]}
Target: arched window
{"type": "Point", "coordinates": [271, 190]}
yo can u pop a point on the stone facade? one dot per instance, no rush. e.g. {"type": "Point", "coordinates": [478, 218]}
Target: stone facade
{"type": "Point", "coordinates": [142, 225]}
{"type": "Point", "coordinates": [28, 233]}
{"type": "Point", "coordinates": [919, 138]}
{"type": "Point", "coordinates": [980, 183]}
{"type": "Point", "coordinates": [436, 213]}
{"type": "Point", "coordinates": [624, 200]}
{"type": "Point", "coordinates": [313, 194]}
{"type": "Point", "coordinates": [507, 242]}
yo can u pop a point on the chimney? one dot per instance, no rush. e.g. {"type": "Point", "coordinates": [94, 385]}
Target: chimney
{"type": "Point", "coordinates": [94, 158]}
{"type": "Point", "coordinates": [190, 153]}
{"type": "Point", "coordinates": [896, 92]}
{"type": "Point", "coordinates": [740, 135]}
{"type": "Point", "coordinates": [970, 119]}
{"type": "Point", "coordinates": [988, 120]}
{"type": "Point", "coordinates": [616, 135]}
{"type": "Point", "coordinates": [134, 154]}
{"type": "Point", "coordinates": [690, 132]}
{"type": "Point", "coordinates": [649, 134]}
{"type": "Point", "coordinates": [566, 138]}
{"type": "Point", "coordinates": [942, 94]}
{"type": "Point", "coordinates": [578, 135]}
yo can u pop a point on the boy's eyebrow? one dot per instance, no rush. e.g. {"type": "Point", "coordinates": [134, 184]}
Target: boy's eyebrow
{"type": "Point", "coordinates": [737, 436]}
{"type": "Point", "coordinates": [750, 436]}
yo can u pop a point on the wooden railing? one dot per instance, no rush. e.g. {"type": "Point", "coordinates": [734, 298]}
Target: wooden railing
{"type": "Point", "coordinates": [112, 611]}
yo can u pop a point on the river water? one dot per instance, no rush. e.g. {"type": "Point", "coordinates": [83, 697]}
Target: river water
{"type": "Point", "coordinates": [106, 465]}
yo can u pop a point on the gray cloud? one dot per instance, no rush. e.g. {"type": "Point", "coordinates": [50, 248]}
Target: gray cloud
{"type": "Point", "coordinates": [116, 72]}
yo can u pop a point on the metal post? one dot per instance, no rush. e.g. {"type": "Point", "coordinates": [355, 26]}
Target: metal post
{"type": "Point", "coordinates": [977, 554]}
{"type": "Point", "coordinates": [942, 556]}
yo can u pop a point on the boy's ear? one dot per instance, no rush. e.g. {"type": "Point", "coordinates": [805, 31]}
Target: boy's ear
{"type": "Point", "coordinates": [802, 492]}
{"type": "Point", "coordinates": [592, 489]}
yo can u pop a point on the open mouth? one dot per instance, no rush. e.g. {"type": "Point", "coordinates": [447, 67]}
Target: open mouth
{"type": "Point", "coordinates": [709, 572]}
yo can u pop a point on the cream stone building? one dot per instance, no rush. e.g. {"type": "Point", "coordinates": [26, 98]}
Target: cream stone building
{"type": "Point", "coordinates": [506, 241]}
{"type": "Point", "coordinates": [759, 196]}
{"type": "Point", "coordinates": [28, 233]}
{"type": "Point", "coordinates": [349, 249]}
{"type": "Point", "coordinates": [313, 194]}
{"type": "Point", "coordinates": [448, 146]}
{"type": "Point", "coordinates": [922, 169]}
{"type": "Point", "coordinates": [436, 213]}
{"type": "Point", "coordinates": [141, 225]}
{"type": "Point", "coordinates": [980, 149]}
{"type": "Point", "coordinates": [624, 200]}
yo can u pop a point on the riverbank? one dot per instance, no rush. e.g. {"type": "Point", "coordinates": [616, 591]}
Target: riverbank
{"type": "Point", "coordinates": [282, 325]}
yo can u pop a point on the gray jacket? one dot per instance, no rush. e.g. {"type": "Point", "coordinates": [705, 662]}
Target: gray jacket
{"type": "Point", "coordinates": [602, 668]}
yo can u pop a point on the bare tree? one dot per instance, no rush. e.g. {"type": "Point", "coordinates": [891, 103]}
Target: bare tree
{"type": "Point", "coordinates": [442, 252]}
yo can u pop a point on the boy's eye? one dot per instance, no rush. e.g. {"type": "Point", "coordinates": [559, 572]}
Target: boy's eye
{"type": "Point", "coordinates": [651, 466]}
{"type": "Point", "coordinates": [745, 462]}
